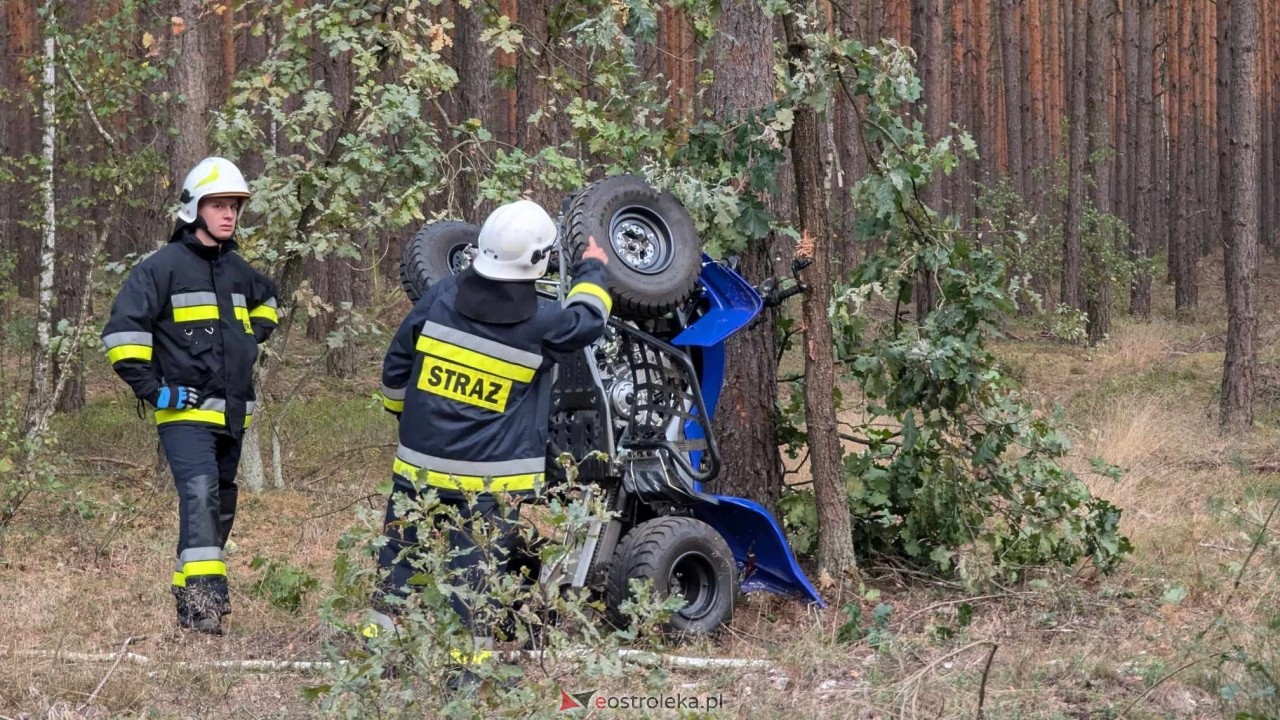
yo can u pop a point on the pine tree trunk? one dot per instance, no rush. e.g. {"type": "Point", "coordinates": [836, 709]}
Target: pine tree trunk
{"type": "Point", "coordinates": [1039, 118]}
{"type": "Point", "coordinates": [985, 97]}
{"type": "Point", "coordinates": [1144, 154]}
{"type": "Point", "coordinates": [932, 55]}
{"type": "Point", "coordinates": [1126, 132]}
{"type": "Point", "coordinates": [1009, 61]}
{"type": "Point", "coordinates": [1241, 248]}
{"type": "Point", "coordinates": [1222, 102]}
{"type": "Point", "coordinates": [852, 164]}
{"type": "Point", "coordinates": [9, 208]}
{"type": "Point", "coordinates": [1026, 71]}
{"type": "Point", "coordinates": [1183, 250]}
{"type": "Point", "coordinates": [23, 31]}
{"type": "Point", "coordinates": [1072, 245]}
{"type": "Point", "coordinates": [1164, 114]}
{"type": "Point", "coordinates": [744, 419]}
{"type": "Point", "coordinates": [190, 75]}
{"type": "Point", "coordinates": [835, 540]}
{"type": "Point", "coordinates": [1099, 166]}
{"type": "Point", "coordinates": [474, 92]}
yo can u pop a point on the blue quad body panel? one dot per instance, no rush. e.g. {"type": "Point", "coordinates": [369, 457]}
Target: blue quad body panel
{"type": "Point", "coordinates": [758, 542]}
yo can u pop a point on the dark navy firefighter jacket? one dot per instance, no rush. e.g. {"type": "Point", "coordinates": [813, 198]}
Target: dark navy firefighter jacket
{"type": "Point", "coordinates": [193, 315]}
{"type": "Point", "coordinates": [468, 374]}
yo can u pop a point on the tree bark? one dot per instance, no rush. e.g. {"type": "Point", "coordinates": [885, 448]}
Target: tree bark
{"type": "Point", "coordinates": [190, 75]}
{"type": "Point", "coordinates": [744, 418]}
{"type": "Point", "coordinates": [20, 16]}
{"type": "Point", "coordinates": [1072, 244]}
{"type": "Point", "coordinates": [475, 100]}
{"type": "Point", "coordinates": [1183, 250]}
{"type": "Point", "coordinates": [1099, 165]}
{"type": "Point", "coordinates": [1164, 118]}
{"type": "Point", "coordinates": [1226, 47]}
{"type": "Point", "coordinates": [9, 209]}
{"type": "Point", "coordinates": [1144, 154]}
{"type": "Point", "coordinates": [1126, 131]}
{"type": "Point", "coordinates": [851, 163]}
{"type": "Point", "coordinates": [932, 54]}
{"type": "Point", "coordinates": [331, 276]}
{"type": "Point", "coordinates": [1009, 61]}
{"type": "Point", "coordinates": [1241, 250]}
{"type": "Point", "coordinates": [1039, 118]}
{"type": "Point", "coordinates": [835, 540]}
{"type": "Point", "coordinates": [40, 403]}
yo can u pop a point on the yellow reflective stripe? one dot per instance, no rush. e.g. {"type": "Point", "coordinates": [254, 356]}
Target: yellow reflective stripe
{"type": "Point", "coordinates": [179, 580]}
{"type": "Point", "coordinates": [195, 312]}
{"type": "Point", "coordinates": [475, 658]}
{"type": "Point", "coordinates": [204, 567]}
{"type": "Point", "coordinates": [469, 483]}
{"type": "Point", "coordinates": [594, 290]}
{"type": "Point", "coordinates": [129, 352]}
{"type": "Point", "coordinates": [242, 314]}
{"type": "Point", "coordinates": [471, 358]}
{"type": "Point", "coordinates": [213, 417]}
{"type": "Point", "coordinates": [211, 177]}
{"type": "Point", "coordinates": [392, 405]}
{"type": "Point", "coordinates": [265, 312]}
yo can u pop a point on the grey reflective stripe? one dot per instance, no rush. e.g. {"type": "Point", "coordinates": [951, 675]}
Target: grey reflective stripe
{"type": "Point", "coordinates": [238, 300]}
{"type": "Point", "coordinates": [249, 406]}
{"type": "Point", "coordinates": [588, 299]}
{"type": "Point", "coordinates": [482, 345]}
{"type": "Point", "coordinates": [214, 404]}
{"type": "Point", "coordinates": [193, 299]}
{"type": "Point", "coordinates": [200, 553]}
{"type": "Point", "coordinates": [393, 393]}
{"type": "Point", "coordinates": [478, 469]}
{"type": "Point", "coordinates": [177, 565]}
{"type": "Point", "coordinates": [270, 302]}
{"type": "Point", "coordinates": [127, 338]}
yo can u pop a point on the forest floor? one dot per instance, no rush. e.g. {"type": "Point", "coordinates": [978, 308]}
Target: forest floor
{"type": "Point", "coordinates": [1188, 627]}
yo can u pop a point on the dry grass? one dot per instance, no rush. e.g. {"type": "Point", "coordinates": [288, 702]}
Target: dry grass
{"type": "Point", "coordinates": [1070, 644]}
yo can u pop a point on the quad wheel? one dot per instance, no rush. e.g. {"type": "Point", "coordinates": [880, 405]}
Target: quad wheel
{"type": "Point", "coordinates": [683, 556]}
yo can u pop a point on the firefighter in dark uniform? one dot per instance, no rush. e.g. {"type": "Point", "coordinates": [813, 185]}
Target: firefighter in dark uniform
{"type": "Point", "coordinates": [467, 374]}
{"type": "Point", "coordinates": [184, 333]}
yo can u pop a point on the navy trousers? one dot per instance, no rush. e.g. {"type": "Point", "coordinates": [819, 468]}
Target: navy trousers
{"type": "Point", "coordinates": [204, 461]}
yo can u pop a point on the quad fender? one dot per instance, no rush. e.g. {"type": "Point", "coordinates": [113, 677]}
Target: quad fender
{"type": "Point", "coordinates": [758, 543]}
{"type": "Point", "coordinates": [733, 305]}
{"type": "Point", "coordinates": [759, 547]}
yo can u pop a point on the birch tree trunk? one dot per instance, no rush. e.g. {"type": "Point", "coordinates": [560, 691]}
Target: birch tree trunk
{"type": "Point", "coordinates": [38, 404]}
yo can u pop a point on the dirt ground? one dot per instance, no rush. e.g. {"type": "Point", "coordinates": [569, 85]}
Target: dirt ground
{"type": "Point", "coordinates": [85, 569]}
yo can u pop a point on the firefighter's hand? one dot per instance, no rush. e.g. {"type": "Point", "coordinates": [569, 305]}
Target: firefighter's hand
{"type": "Point", "coordinates": [594, 251]}
{"type": "Point", "coordinates": [175, 397]}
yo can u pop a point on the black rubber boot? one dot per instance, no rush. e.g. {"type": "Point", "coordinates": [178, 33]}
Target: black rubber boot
{"type": "Point", "coordinates": [206, 599]}
{"type": "Point", "coordinates": [185, 618]}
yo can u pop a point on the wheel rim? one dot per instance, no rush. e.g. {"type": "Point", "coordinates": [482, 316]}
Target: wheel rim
{"type": "Point", "coordinates": [641, 239]}
{"type": "Point", "coordinates": [693, 577]}
{"type": "Point", "coordinates": [460, 257]}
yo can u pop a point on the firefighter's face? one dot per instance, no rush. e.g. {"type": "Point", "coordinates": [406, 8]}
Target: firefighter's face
{"type": "Point", "coordinates": [220, 215]}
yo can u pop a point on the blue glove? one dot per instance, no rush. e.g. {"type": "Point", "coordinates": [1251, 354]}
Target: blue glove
{"type": "Point", "coordinates": [175, 397]}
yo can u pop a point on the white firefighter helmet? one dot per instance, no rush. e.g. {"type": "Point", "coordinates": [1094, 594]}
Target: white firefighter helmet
{"type": "Point", "coordinates": [515, 242]}
{"type": "Point", "coordinates": [213, 177]}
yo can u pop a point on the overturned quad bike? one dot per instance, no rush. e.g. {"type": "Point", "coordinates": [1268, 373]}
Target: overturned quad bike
{"type": "Point", "coordinates": [644, 396]}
